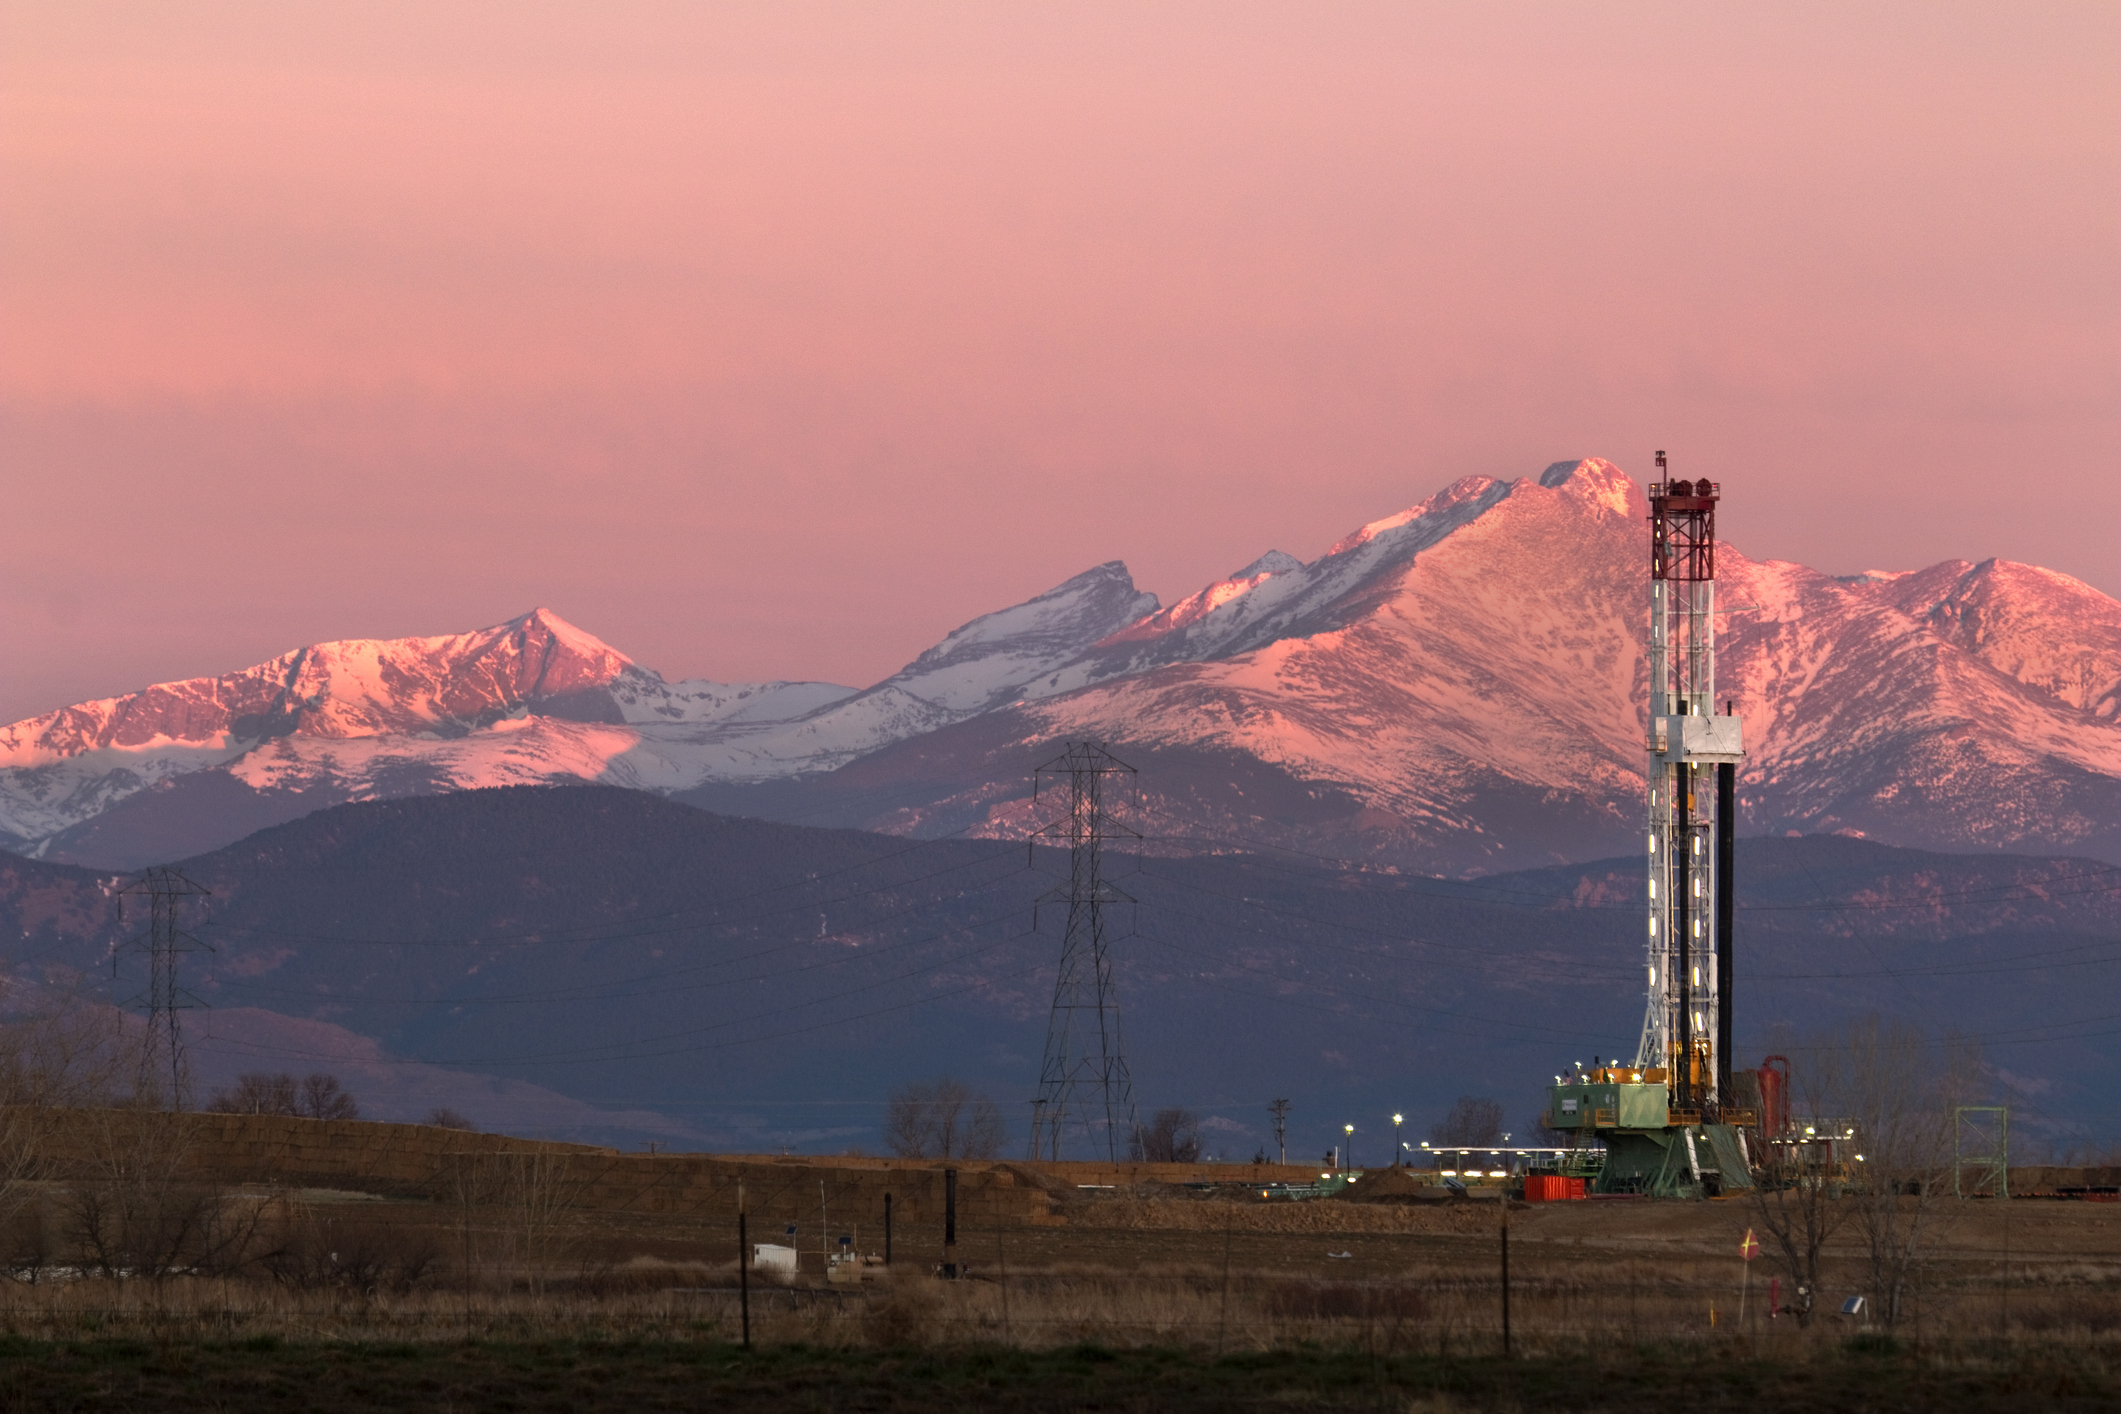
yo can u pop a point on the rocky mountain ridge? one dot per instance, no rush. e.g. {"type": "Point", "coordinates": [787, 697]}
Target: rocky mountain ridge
{"type": "Point", "coordinates": [1457, 687]}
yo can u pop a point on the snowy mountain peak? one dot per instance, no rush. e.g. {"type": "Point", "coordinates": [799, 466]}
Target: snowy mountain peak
{"type": "Point", "coordinates": [578, 656]}
{"type": "Point", "coordinates": [992, 658]}
{"type": "Point", "coordinates": [1475, 493]}
{"type": "Point", "coordinates": [1464, 677]}
{"type": "Point", "coordinates": [2036, 626]}
{"type": "Point", "coordinates": [1599, 483]}
{"type": "Point", "coordinates": [343, 688]}
{"type": "Point", "coordinates": [1273, 562]}
{"type": "Point", "coordinates": [1201, 603]}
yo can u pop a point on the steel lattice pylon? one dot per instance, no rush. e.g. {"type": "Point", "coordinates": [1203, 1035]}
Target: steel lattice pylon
{"type": "Point", "coordinates": [1084, 1079]}
{"type": "Point", "coordinates": [1981, 1151]}
{"type": "Point", "coordinates": [164, 942]}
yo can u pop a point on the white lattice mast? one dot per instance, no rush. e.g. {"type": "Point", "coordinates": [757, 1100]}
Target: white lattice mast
{"type": "Point", "coordinates": [1686, 1025]}
{"type": "Point", "coordinates": [1084, 1082]}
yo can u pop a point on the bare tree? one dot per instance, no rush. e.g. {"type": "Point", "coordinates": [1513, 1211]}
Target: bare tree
{"type": "Point", "coordinates": [1797, 1196]}
{"type": "Point", "coordinates": [364, 1255]}
{"type": "Point", "coordinates": [71, 1055]}
{"type": "Point", "coordinates": [942, 1119]}
{"type": "Point", "coordinates": [256, 1093]}
{"type": "Point", "coordinates": [443, 1117]}
{"type": "Point", "coordinates": [1475, 1122]}
{"type": "Point", "coordinates": [312, 1097]}
{"type": "Point", "coordinates": [536, 1190]}
{"type": "Point", "coordinates": [139, 1212]}
{"type": "Point", "coordinates": [1898, 1092]}
{"type": "Point", "coordinates": [1541, 1135]}
{"type": "Point", "coordinates": [322, 1098]}
{"type": "Point", "coordinates": [1172, 1137]}
{"type": "Point", "coordinates": [1872, 1150]}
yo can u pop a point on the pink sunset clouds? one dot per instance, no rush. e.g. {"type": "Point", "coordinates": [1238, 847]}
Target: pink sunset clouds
{"type": "Point", "coordinates": [776, 340]}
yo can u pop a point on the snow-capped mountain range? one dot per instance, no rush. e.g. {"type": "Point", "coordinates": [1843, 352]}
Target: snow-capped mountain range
{"type": "Point", "coordinates": [1455, 687]}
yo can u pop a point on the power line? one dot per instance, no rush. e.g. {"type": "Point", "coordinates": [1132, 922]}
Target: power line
{"type": "Point", "coordinates": [1363, 996]}
{"type": "Point", "coordinates": [592, 1054]}
{"type": "Point", "coordinates": [565, 936]}
{"type": "Point", "coordinates": [1393, 935]}
{"type": "Point", "coordinates": [595, 992]}
{"type": "Point", "coordinates": [673, 1051]}
{"type": "Point", "coordinates": [1453, 889]}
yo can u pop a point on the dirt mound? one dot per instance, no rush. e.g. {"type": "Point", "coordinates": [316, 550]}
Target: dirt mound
{"type": "Point", "coordinates": [1396, 1186]}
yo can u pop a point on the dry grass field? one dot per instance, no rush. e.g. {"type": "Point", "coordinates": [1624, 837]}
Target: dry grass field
{"type": "Point", "coordinates": [170, 1272]}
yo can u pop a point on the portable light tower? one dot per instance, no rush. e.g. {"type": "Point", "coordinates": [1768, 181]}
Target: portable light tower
{"type": "Point", "coordinates": [1692, 774]}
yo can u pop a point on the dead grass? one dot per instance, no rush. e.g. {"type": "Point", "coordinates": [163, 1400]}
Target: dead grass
{"type": "Point", "coordinates": [1173, 1214]}
{"type": "Point", "coordinates": [516, 1255]}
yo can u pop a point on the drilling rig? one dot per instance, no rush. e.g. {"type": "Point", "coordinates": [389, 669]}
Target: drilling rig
{"type": "Point", "coordinates": [1672, 1122]}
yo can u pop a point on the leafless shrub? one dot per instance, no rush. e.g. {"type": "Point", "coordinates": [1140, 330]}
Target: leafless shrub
{"type": "Point", "coordinates": [515, 1215]}
{"type": "Point", "coordinates": [26, 1240]}
{"type": "Point", "coordinates": [443, 1117]}
{"type": "Point", "coordinates": [138, 1213]}
{"type": "Point", "coordinates": [904, 1316]}
{"type": "Point", "coordinates": [603, 1273]}
{"type": "Point", "coordinates": [538, 1189]}
{"type": "Point", "coordinates": [70, 1055]}
{"type": "Point", "coordinates": [1343, 1300]}
{"type": "Point", "coordinates": [370, 1257]}
{"type": "Point", "coordinates": [943, 1119]}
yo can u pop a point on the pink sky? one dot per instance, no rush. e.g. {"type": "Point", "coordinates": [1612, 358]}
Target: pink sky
{"type": "Point", "coordinates": [777, 340]}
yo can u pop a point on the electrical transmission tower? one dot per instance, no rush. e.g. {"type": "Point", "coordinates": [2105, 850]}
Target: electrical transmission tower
{"type": "Point", "coordinates": [1981, 1151]}
{"type": "Point", "coordinates": [1084, 1079]}
{"type": "Point", "coordinates": [162, 1056]}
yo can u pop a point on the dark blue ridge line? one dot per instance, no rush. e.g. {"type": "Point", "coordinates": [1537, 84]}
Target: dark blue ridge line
{"type": "Point", "coordinates": [2082, 1131]}
{"type": "Point", "coordinates": [1499, 957]}
{"type": "Point", "coordinates": [1388, 934]}
{"type": "Point", "coordinates": [590, 1054]}
{"type": "Point", "coordinates": [1965, 967]}
{"type": "Point", "coordinates": [1540, 1029]}
{"type": "Point", "coordinates": [648, 1055]}
{"type": "Point", "coordinates": [910, 792]}
{"type": "Point", "coordinates": [591, 993]}
{"type": "Point", "coordinates": [1554, 900]}
{"type": "Point", "coordinates": [1858, 930]}
{"type": "Point", "coordinates": [515, 853]}
{"type": "Point", "coordinates": [1207, 981]}
{"type": "Point", "coordinates": [1937, 900]}
{"type": "Point", "coordinates": [579, 938]}
{"type": "Point", "coordinates": [1562, 903]}
{"type": "Point", "coordinates": [2018, 1031]}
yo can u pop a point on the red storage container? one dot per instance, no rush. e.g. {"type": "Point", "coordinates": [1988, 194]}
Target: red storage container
{"type": "Point", "coordinates": [1551, 1188]}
